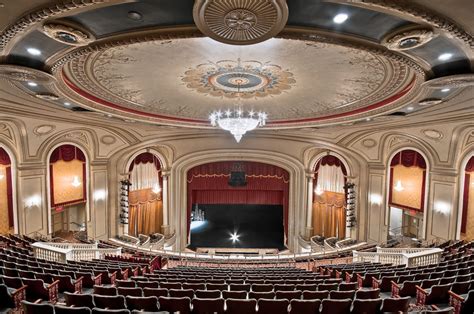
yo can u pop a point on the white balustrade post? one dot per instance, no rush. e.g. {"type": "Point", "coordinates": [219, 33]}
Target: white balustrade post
{"type": "Point", "coordinates": [309, 206]}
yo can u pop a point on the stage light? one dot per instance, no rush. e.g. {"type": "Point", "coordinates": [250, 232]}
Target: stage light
{"type": "Point", "coordinates": [234, 237]}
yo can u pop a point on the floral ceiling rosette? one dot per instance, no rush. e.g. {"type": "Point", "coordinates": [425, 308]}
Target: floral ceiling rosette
{"type": "Point", "coordinates": [236, 78]}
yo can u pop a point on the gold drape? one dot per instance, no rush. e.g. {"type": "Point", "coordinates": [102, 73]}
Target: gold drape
{"type": "Point", "coordinates": [145, 212]}
{"type": "Point", "coordinates": [63, 176]}
{"type": "Point", "coordinates": [411, 179]}
{"type": "Point", "coordinates": [329, 215]}
{"type": "Point", "coordinates": [4, 225]}
{"type": "Point", "coordinates": [470, 211]}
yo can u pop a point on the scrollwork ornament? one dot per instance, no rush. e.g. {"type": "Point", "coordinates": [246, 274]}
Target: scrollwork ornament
{"type": "Point", "coordinates": [408, 39]}
{"type": "Point", "coordinates": [67, 34]}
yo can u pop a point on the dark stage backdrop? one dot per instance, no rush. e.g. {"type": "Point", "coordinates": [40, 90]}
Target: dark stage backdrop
{"type": "Point", "coordinates": [258, 226]}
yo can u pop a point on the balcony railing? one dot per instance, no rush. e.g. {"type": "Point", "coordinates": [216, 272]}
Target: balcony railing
{"type": "Point", "coordinates": [400, 256]}
{"type": "Point", "coordinates": [63, 252]}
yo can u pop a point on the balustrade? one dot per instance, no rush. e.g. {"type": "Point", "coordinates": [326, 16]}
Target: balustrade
{"type": "Point", "coordinates": [63, 252]}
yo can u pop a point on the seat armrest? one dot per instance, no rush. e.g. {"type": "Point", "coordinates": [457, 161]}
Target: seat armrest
{"type": "Point", "coordinates": [125, 274]}
{"type": "Point", "coordinates": [348, 277]}
{"type": "Point", "coordinates": [113, 277]}
{"type": "Point", "coordinates": [78, 285]}
{"type": "Point", "coordinates": [395, 289]}
{"type": "Point", "coordinates": [375, 283]}
{"type": "Point", "coordinates": [421, 295]}
{"type": "Point", "coordinates": [322, 270]}
{"type": "Point", "coordinates": [53, 291]}
{"type": "Point", "coordinates": [338, 274]}
{"type": "Point", "coordinates": [455, 300]}
{"type": "Point", "coordinates": [19, 295]}
{"type": "Point", "coordinates": [97, 280]}
{"type": "Point", "coordinates": [135, 271]}
{"type": "Point", "coordinates": [360, 281]}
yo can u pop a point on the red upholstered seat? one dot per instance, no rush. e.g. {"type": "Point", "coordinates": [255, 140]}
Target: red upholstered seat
{"type": "Point", "coordinates": [371, 306]}
{"type": "Point", "coordinates": [368, 294]}
{"type": "Point", "coordinates": [234, 294]}
{"type": "Point", "coordinates": [78, 300]}
{"type": "Point", "coordinates": [261, 295]}
{"type": "Point", "coordinates": [105, 290]}
{"type": "Point", "coordinates": [206, 306]}
{"type": "Point", "coordinates": [147, 304]}
{"type": "Point", "coordinates": [315, 295]}
{"type": "Point", "coordinates": [170, 304]}
{"type": "Point", "coordinates": [304, 306]}
{"type": "Point", "coordinates": [238, 306]}
{"type": "Point", "coordinates": [179, 293]}
{"type": "Point", "coordinates": [273, 306]}
{"type": "Point", "coordinates": [207, 294]}
{"type": "Point", "coordinates": [262, 287]}
{"type": "Point", "coordinates": [58, 309]}
{"type": "Point", "coordinates": [395, 305]}
{"type": "Point", "coordinates": [289, 295]}
{"type": "Point", "coordinates": [339, 295]}
{"type": "Point", "coordinates": [135, 292]}
{"type": "Point", "coordinates": [157, 292]}
{"type": "Point", "coordinates": [116, 302]}
{"type": "Point", "coordinates": [336, 306]}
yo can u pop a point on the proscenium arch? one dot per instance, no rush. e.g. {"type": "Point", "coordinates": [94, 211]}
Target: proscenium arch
{"type": "Point", "coordinates": [178, 201]}
{"type": "Point", "coordinates": [48, 180]}
{"type": "Point", "coordinates": [462, 178]}
{"type": "Point", "coordinates": [13, 167]}
{"type": "Point", "coordinates": [427, 184]}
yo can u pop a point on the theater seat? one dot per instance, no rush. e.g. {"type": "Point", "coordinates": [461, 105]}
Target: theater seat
{"type": "Point", "coordinates": [336, 306]}
{"type": "Point", "coordinates": [101, 311]}
{"type": "Point", "coordinates": [234, 294]}
{"type": "Point", "coordinates": [395, 305]}
{"type": "Point", "coordinates": [116, 302]}
{"type": "Point", "coordinates": [58, 309]}
{"type": "Point", "coordinates": [207, 294]}
{"type": "Point", "coordinates": [368, 306]}
{"type": "Point", "coordinates": [304, 306]}
{"type": "Point", "coordinates": [34, 308]}
{"type": "Point", "coordinates": [206, 306]}
{"type": "Point", "coordinates": [149, 304]}
{"type": "Point", "coordinates": [75, 299]}
{"type": "Point", "coordinates": [170, 304]}
{"type": "Point", "coordinates": [238, 306]}
{"type": "Point", "coordinates": [271, 306]}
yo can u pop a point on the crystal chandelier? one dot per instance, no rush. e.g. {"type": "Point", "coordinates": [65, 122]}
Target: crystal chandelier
{"type": "Point", "coordinates": [237, 122]}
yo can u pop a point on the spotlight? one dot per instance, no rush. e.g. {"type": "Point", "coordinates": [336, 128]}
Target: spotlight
{"type": "Point", "coordinates": [445, 90]}
{"type": "Point", "coordinates": [445, 56]}
{"type": "Point", "coordinates": [34, 51]}
{"type": "Point", "coordinates": [32, 84]}
{"type": "Point", "coordinates": [340, 18]}
{"type": "Point", "coordinates": [234, 237]}
{"type": "Point", "coordinates": [410, 108]}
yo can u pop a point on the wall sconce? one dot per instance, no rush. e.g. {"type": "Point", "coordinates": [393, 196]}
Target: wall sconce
{"type": "Point", "coordinates": [75, 182]}
{"type": "Point", "coordinates": [2, 173]}
{"type": "Point", "coordinates": [2, 176]}
{"type": "Point", "coordinates": [399, 187]}
{"type": "Point", "coordinates": [443, 208]}
{"type": "Point", "coordinates": [376, 199]}
{"type": "Point", "coordinates": [99, 195]}
{"type": "Point", "coordinates": [33, 201]}
{"type": "Point", "coordinates": [318, 190]}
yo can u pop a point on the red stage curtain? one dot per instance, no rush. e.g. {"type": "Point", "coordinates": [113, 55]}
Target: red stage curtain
{"type": "Point", "coordinates": [266, 184]}
{"type": "Point", "coordinates": [6, 161]}
{"type": "Point", "coordinates": [67, 153]}
{"type": "Point", "coordinates": [465, 203]}
{"type": "Point", "coordinates": [408, 158]}
{"type": "Point", "coordinates": [145, 158]}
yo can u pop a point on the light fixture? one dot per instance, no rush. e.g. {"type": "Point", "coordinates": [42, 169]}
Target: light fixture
{"type": "Point", "coordinates": [410, 108]}
{"type": "Point", "coordinates": [399, 187]}
{"type": "Point", "coordinates": [340, 18]}
{"type": "Point", "coordinates": [75, 182]}
{"type": "Point", "coordinates": [234, 237]}
{"type": "Point", "coordinates": [445, 90]}
{"type": "Point", "coordinates": [32, 84]}
{"type": "Point", "coordinates": [156, 188]}
{"type": "Point", "coordinates": [34, 51]}
{"type": "Point", "coordinates": [445, 56]}
{"type": "Point", "coordinates": [318, 190]}
{"type": "Point", "coordinates": [236, 121]}
{"type": "Point", "coordinates": [33, 201]}
{"type": "Point", "coordinates": [368, 119]}
{"type": "Point", "coordinates": [2, 176]}
{"type": "Point", "coordinates": [67, 104]}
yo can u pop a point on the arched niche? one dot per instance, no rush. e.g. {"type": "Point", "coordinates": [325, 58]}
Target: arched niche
{"type": "Point", "coordinates": [407, 193]}
{"type": "Point", "coordinates": [465, 226]}
{"type": "Point", "coordinates": [327, 215]}
{"type": "Point", "coordinates": [8, 202]}
{"type": "Point", "coordinates": [68, 178]}
{"type": "Point", "coordinates": [142, 200]}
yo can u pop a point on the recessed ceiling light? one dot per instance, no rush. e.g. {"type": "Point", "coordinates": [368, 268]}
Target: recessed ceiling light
{"type": "Point", "coordinates": [32, 84]}
{"type": "Point", "coordinates": [445, 90]}
{"type": "Point", "coordinates": [368, 119]}
{"type": "Point", "coordinates": [109, 115]}
{"type": "Point", "coordinates": [34, 51]}
{"type": "Point", "coordinates": [67, 104]}
{"type": "Point", "coordinates": [445, 56]}
{"type": "Point", "coordinates": [134, 15]}
{"type": "Point", "coordinates": [410, 108]}
{"type": "Point", "coordinates": [340, 18]}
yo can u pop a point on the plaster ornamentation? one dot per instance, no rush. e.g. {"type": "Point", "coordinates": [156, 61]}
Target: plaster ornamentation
{"type": "Point", "coordinates": [108, 140]}
{"type": "Point", "coordinates": [16, 73]}
{"type": "Point", "coordinates": [408, 39]}
{"type": "Point", "coordinates": [369, 143]}
{"type": "Point", "coordinates": [68, 35]}
{"type": "Point", "coordinates": [453, 81]}
{"type": "Point", "coordinates": [44, 129]}
{"type": "Point", "coordinates": [398, 140]}
{"type": "Point", "coordinates": [433, 134]}
{"type": "Point", "coordinates": [240, 22]}
{"type": "Point", "coordinates": [78, 135]}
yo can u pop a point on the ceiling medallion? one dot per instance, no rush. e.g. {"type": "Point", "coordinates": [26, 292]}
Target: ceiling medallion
{"type": "Point", "coordinates": [67, 34]}
{"type": "Point", "coordinates": [246, 79]}
{"type": "Point", "coordinates": [430, 101]}
{"type": "Point", "coordinates": [433, 134]}
{"type": "Point", "coordinates": [408, 39]}
{"type": "Point", "coordinates": [240, 22]}
{"type": "Point", "coordinates": [44, 129]}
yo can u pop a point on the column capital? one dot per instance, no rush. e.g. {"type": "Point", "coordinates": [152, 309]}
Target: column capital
{"type": "Point", "coordinates": [309, 175]}
{"type": "Point", "coordinates": [165, 173]}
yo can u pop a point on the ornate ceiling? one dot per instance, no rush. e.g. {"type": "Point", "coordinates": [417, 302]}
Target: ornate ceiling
{"type": "Point", "coordinates": [306, 63]}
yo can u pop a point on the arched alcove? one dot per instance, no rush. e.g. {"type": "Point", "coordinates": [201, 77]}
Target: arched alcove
{"type": "Point", "coordinates": [8, 214]}
{"type": "Point", "coordinates": [68, 192]}
{"type": "Point", "coordinates": [328, 218]}
{"type": "Point", "coordinates": [465, 228]}
{"type": "Point", "coordinates": [407, 190]}
{"type": "Point", "coordinates": [144, 196]}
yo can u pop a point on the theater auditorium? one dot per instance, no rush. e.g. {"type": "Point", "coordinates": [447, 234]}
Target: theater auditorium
{"type": "Point", "coordinates": [237, 156]}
